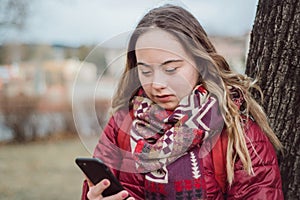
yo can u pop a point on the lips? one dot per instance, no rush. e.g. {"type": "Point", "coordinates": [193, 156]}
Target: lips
{"type": "Point", "coordinates": [163, 98]}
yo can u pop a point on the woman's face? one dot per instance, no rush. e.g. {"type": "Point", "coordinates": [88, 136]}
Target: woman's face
{"type": "Point", "coordinates": [165, 70]}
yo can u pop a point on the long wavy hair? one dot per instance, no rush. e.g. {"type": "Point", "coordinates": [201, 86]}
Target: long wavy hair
{"type": "Point", "coordinates": [214, 73]}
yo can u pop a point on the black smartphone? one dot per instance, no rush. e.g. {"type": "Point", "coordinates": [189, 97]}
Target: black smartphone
{"type": "Point", "coordinates": [96, 170]}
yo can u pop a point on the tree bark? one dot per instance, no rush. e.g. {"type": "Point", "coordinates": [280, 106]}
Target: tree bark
{"type": "Point", "coordinates": [274, 59]}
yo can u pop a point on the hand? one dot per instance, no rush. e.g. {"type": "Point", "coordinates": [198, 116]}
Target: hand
{"type": "Point", "coordinates": [95, 191]}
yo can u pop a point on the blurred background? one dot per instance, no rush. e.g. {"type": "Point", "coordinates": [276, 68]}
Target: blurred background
{"type": "Point", "coordinates": [55, 54]}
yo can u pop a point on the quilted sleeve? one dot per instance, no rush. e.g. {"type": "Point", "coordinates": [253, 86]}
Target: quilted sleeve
{"type": "Point", "coordinates": [266, 181]}
{"type": "Point", "coordinates": [214, 168]}
{"type": "Point", "coordinates": [107, 149]}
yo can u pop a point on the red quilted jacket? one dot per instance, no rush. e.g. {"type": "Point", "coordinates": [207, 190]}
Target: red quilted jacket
{"type": "Point", "coordinates": [264, 184]}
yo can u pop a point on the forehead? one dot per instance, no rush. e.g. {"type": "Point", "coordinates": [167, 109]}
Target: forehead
{"type": "Point", "coordinates": [159, 42]}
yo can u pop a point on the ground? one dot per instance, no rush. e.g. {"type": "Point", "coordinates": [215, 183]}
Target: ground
{"type": "Point", "coordinates": [41, 170]}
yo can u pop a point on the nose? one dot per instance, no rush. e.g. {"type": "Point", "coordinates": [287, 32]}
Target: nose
{"type": "Point", "coordinates": [159, 81]}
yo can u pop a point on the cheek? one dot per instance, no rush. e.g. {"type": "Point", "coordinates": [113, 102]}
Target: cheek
{"type": "Point", "coordinates": [142, 80]}
{"type": "Point", "coordinates": [146, 87]}
{"type": "Point", "coordinates": [184, 84]}
{"type": "Point", "coordinates": [187, 80]}
{"type": "Point", "coordinates": [193, 78]}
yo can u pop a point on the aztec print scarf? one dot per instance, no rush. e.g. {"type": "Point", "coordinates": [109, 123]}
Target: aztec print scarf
{"type": "Point", "coordinates": [166, 144]}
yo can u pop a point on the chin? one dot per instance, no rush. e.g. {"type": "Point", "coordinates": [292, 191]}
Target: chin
{"type": "Point", "coordinates": [168, 106]}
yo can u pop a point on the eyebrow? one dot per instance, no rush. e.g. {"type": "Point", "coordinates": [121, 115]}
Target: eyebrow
{"type": "Point", "coordinates": [164, 63]}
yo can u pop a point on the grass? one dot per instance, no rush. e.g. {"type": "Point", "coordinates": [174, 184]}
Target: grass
{"type": "Point", "coordinates": [41, 170]}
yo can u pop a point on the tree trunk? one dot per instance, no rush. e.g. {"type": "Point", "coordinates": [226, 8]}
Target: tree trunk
{"type": "Point", "coordinates": [274, 59]}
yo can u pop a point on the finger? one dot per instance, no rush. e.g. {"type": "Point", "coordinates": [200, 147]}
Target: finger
{"type": "Point", "coordinates": [95, 191]}
{"type": "Point", "coordinates": [89, 182]}
{"type": "Point", "coordinates": [119, 196]}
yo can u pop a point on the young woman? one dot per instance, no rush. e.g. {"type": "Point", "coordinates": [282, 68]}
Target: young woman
{"type": "Point", "coordinates": [184, 125]}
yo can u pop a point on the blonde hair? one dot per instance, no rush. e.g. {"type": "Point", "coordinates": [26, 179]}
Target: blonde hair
{"type": "Point", "coordinates": [233, 119]}
{"type": "Point", "coordinates": [214, 73]}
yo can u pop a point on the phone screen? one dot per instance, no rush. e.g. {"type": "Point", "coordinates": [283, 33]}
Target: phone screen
{"type": "Point", "coordinates": [96, 170]}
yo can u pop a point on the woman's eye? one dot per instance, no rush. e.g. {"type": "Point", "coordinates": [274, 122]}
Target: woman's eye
{"type": "Point", "coordinates": [171, 69]}
{"type": "Point", "coordinates": [145, 72]}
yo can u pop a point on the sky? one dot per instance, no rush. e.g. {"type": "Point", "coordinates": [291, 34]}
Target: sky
{"type": "Point", "coordinates": [77, 22]}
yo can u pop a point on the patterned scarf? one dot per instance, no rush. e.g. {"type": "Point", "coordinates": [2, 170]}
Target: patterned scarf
{"type": "Point", "coordinates": [166, 144]}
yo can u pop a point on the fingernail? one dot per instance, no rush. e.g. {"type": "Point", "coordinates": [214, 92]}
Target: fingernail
{"type": "Point", "coordinates": [124, 194]}
{"type": "Point", "coordinates": [105, 182]}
